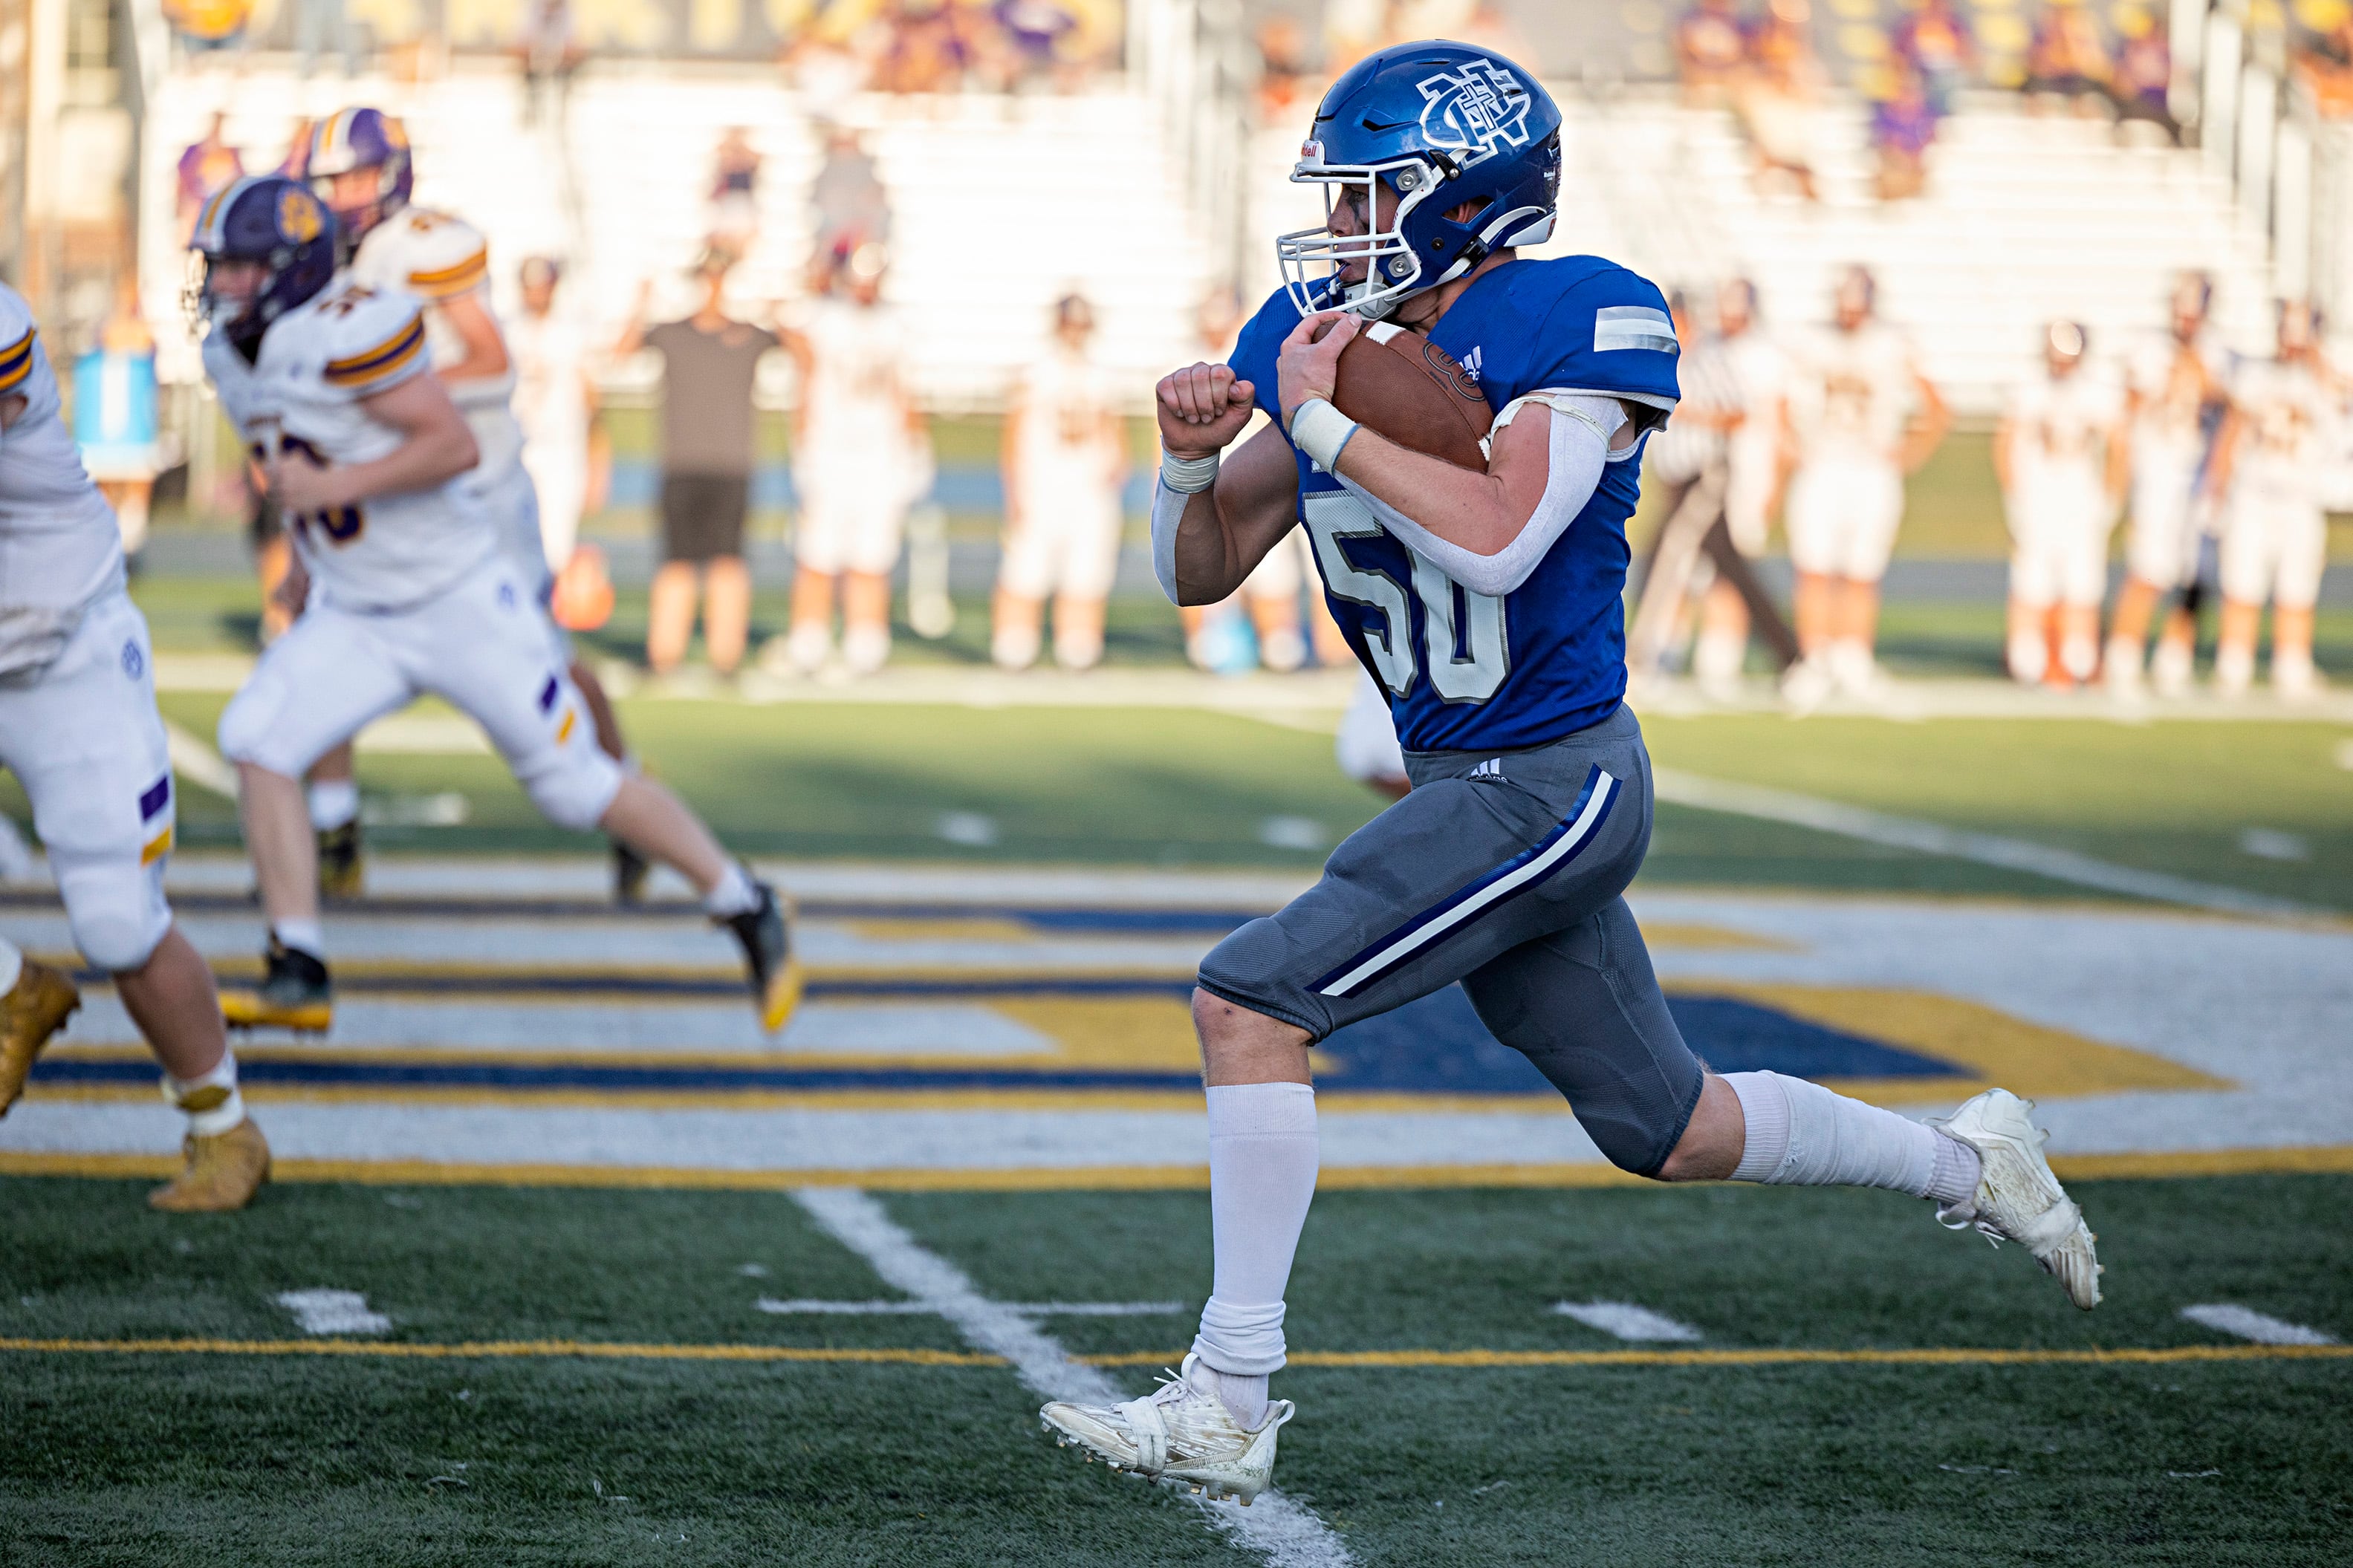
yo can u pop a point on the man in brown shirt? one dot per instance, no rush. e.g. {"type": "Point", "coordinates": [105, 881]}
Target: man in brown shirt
{"type": "Point", "coordinates": [708, 365]}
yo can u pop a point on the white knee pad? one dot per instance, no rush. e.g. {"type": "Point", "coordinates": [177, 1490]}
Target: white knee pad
{"type": "Point", "coordinates": [117, 912]}
{"type": "Point", "coordinates": [244, 731]}
{"type": "Point", "coordinates": [574, 787]}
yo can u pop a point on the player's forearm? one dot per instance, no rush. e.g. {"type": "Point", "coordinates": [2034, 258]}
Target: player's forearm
{"type": "Point", "coordinates": [1207, 565]}
{"type": "Point", "coordinates": [431, 455]}
{"type": "Point", "coordinates": [1465, 508]}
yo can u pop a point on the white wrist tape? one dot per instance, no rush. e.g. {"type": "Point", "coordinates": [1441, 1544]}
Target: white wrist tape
{"type": "Point", "coordinates": [1188, 475]}
{"type": "Point", "coordinates": [1168, 513]}
{"type": "Point", "coordinates": [1321, 432]}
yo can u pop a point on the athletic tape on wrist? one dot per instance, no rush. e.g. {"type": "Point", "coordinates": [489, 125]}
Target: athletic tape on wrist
{"type": "Point", "coordinates": [1321, 432]}
{"type": "Point", "coordinates": [1188, 475]}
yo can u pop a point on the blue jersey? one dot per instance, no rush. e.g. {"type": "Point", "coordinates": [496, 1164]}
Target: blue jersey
{"type": "Point", "coordinates": [1464, 671]}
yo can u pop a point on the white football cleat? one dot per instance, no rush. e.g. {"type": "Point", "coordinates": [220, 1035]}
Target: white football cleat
{"type": "Point", "coordinates": [2018, 1199]}
{"type": "Point", "coordinates": [1181, 1435]}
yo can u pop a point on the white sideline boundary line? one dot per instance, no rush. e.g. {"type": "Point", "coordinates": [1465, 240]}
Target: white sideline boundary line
{"type": "Point", "coordinates": [1956, 844]}
{"type": "Point", "coordinates": [324, 1310]}
{"type": "Point", "coordinates": [806, 1307]}
{"type": "Point", "coordinates": [1286, 1533]}
{"type": "Point", "coordinates": [2249, 1324]}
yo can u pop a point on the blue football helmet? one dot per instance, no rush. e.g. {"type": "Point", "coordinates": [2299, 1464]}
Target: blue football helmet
{"type": "Point", "coordinates": [354, 139]}
{"type": "Point", "coordinates": [1440, 125]}
{"type": "Point", "coordinates": [277, 222]}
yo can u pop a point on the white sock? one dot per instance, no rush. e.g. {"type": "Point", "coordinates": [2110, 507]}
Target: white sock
{"type": "Point", "coordinates": [1262, 1159]}
{"type": "Point", "coordinates": [1074, 650]}
{"type": "Point", "coordinates": [1283, 650]}
{"type": "Point", "coordinates": [333, 801]}
{"type": "Point", "coordinates": [303, 936]}
{"type": "Point", "coordinates": [866, 649]}
{"type": "Point", "coordinates": [1803, 1135]}
{"type": "Point", "coordinates": [1718, 656]}
{"type": "Point", "coordinates": [2030, 658]}
{"type": "Point", "coordinates": [1013, 647]}
{"type": "Point", "coordinates": [2234, 669]}
{"type": "Point", "coordinates": [1244, 1393]}
{"type": "Point", "coordinates": [2079, 656]}
{"type": "Point", "coordinates": [211, 1102]}
{"type": "Point", "coordinates": [734, 894]}
{"type": "Point", "coordinates": [12, 965]}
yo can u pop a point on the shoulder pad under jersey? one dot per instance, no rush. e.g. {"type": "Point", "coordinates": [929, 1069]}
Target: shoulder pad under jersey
{"type": "Point", "coordinates": [428, 253]}
{"type": "Point", "coordinates": [374, 339]}
{"type": "Point", "coordinates": [1589, 324]}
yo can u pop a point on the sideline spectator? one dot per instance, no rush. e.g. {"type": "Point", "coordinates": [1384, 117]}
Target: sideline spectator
{"type": "Point", "coordinates": [2268, 465]}
{"type": "Point", "coordinates": [2059, 454]}
{"type": "Point", "coordinates": [1756, 461]}
{"type": "Point", "coordinates": [2143, 79]}
{"type": "Point", "coordinates": [1934, 40]}
{"type": "Point", "coordinates": [2173, 385]}
{"type": "Point", "coordinates": [709, 360]}
{"type": "Point", "coordinates": [1775, 98]}
{"type": "Point", "coordinates": [1903, 126]}
{"type": "Point", "coordinates": [861, 457]}
{"type": "Point", "coordinates": [734, 199]}
{"type": "Point", "coordinates": [555, 402]}
{"type": "Point", "coordinates": [848, 207]}
{"type": "Point", "coordinates": [549, 53]}
{"type": "Point", "coordinates": [114, 417]}
{"type": "Point", "coordinates": [1065, 457]}
{"type": "Point", "coordinates": [206, 26]}
{"type": "Point", "coordinates": [1864, 417]}
{"type": "Point", "coordinates": [208, 167]}
{"type": "Point", "coordinates": [1711, 52]}
{"type": "Point", "coordinates": [2068, 59]}
{"type": "Point", "coordinates": [1689, 460]}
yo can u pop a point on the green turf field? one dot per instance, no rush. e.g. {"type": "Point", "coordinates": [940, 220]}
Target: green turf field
{"type": "Point", "coordinates": [285, 1458]}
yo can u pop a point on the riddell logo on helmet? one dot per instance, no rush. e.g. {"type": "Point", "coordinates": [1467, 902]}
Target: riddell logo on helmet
{"type": "Point", "coordinates": [1475, 111]}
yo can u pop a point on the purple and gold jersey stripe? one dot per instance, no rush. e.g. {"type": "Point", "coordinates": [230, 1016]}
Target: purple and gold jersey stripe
{"type": "Point", "coordinates": [391, 355]}
{"type": "Point", "coordinates": [447, 282]}
{"type": "Point", "coordinates": [16, 362]}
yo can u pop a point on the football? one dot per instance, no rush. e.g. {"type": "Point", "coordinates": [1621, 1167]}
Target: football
{"type": "Point", "coordinates": [1412, 391]}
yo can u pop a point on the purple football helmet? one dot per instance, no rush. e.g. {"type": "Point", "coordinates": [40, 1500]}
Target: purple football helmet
{"type": "Point", "coordinates": [352, 139]}
{"type": "Point", "coordinates": [277, 222]}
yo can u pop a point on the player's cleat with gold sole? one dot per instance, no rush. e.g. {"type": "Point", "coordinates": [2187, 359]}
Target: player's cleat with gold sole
{"type": "Point", "coordinates": [342, 872]}
{"type": "Point", "coordinates": [223, 1172]}
{"type": "Point", "coordinates": [765, 933]}
{"type": "Point", "coordinates": [35, 1008]}
{"type": "Point", "coordinates": [2018, 1198]}
{"type": "Point", "coordinates": [295, 992]}
{"type": "Point", "coordinates": [1179, 1434]}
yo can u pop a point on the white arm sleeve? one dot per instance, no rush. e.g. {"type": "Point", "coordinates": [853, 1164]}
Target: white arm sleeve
{"type": "Point", "coordinates": [1167, 510]}
{"type": "Point", "coordinates": [1582, 425]}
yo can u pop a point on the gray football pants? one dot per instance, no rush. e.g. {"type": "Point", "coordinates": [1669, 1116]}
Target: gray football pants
{"type": "Point", "coordinates": [1504, 871]}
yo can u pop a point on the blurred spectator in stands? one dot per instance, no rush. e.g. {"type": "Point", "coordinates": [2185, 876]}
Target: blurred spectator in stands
{"type": "Point", "coordinates": [1036, 36]}
{"type": "Point", "coordinates": [1865, 417]}
{"type": "Point", "coordinates": [1903, 124]}
{"type": "Point", "coordinates": [1934, 40]}
{"type": "Point", "coordinates": [1711, 51]}
{"type": "Point", "coordinates": [556, 401]}
{"type": "Point", "coordinates": [203, 27]}
{"type": "Point", "coordinates": [209, 166]}
{"type": "Point", "coordinates": [709, 364]}
{"type": "Point", "coordinates": [2068, 59]}
{"type": "Point", "coordinates": [734, 195]}
{"type": "Point", "coordinates": [1775, 96]}
{"type": "Point", "coordinates": [324, 25]}
{"type": "Point", "coordinates": [550, 52]}
{"type": "Point", "coordinates": [929, 49]}
{"type": "Point", "coordinates": [848, 205]}
{"type": "Point", "coordinates": [1065, 457]}
{"type": "Point", "coordinates": [1487, 26]}
{"type": "Point", "coordinates": [1283, 70]}
{"type": "Point", "coordinates": [2143, 87]}
{"type": "Point", "coordinates": [115, 416]}
{"type": "Point", "coordinates": [861, 457]}
{"type": "Point", "coordinates": [2324, 62]}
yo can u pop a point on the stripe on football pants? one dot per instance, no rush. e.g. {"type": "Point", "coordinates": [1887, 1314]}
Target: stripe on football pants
{"type": "Point", "coordinates": [1513, 876]}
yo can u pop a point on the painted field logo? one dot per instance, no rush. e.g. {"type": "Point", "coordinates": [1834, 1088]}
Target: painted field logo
{"type": "Point", "coordinates": [1475, 111]}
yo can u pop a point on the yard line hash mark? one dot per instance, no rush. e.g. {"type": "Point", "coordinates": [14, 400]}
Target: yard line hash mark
{"type": "Point", "coordinates": [1625, 1321]}
{"type": "Point", "coordinates": [1286, 1533]}
{"type": "Point", "coordinates": [2249, 1324]}
{"type": "Point", "coordinates": [324, 1311]}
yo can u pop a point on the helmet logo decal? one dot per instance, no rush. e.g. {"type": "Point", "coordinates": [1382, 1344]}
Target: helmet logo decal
{"type": "Point", "coordinates": [1475, 111]}
{"type": "Point", "coordinates": [298, 216]}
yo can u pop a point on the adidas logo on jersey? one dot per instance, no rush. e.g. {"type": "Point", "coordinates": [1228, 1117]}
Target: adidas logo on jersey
{"type": "Point", "coordinates": [1470, 364]}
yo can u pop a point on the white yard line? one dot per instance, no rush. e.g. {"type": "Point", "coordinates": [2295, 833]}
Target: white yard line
{"type": "Point", "coordinates": [1953, 843]}
{"type": "Point", "coordinates": [1625, 1321]}
{"type": "Point", "coordinates": [2249, 1324]}
{"type": "Point", "coordinates": [800, 1306]}
{"type": "Point", "coordinates": [1285, 1532]}
{"type": "Point", "coordinates": [325, 1312]}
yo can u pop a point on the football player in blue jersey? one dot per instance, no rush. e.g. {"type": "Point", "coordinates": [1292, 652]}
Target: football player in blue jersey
{"type": "Point", "coordinates": [1488, 606]}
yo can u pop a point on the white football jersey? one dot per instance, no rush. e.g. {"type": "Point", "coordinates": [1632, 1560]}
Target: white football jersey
{"type": "Point", "coordinates": [2165, 378]}
{"type": "Point", "coordinates": [302, 393]}
{"type": "Point", "coordinates": [551, 357]}
{"type": "Point", "coordinates": [2290, 420]}
{"type": "Point", "coordinates": [1063, 398]}
{"type": "Point", "coordinates": [1851, 394]}
{"type": "Point", "coordinates": [1761, 369]}
{"type": "Point", "coordinates": [59, 548]}
{"type": "Point", "coordinates": [439, 259]}
{"type": "Point", "coordinates": [851, 407]}
{"type": "Point", "coordinates": [2063, 422]}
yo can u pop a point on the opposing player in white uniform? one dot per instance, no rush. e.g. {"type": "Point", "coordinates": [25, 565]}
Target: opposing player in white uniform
{"type": "Point", "coordinates": [410, 591]}
{"type": "Point", "coordinates": [1063, 464]}
{"type": "Point", "coordinates": [1863, 416]}
{"type": "Point", "coordinates": [2060, 455]}
{"type": "Point", "coordinates": [78, 729]}
{"type": "Point", "coordinates": [1756, 462]}
{"type": "Point", "coordinates": [861, 457]}
{"type": "Point", "coordinates": [360, 166]}
{"type": "Point", "coordinates": [554, 400]}
{"type": "Point", "coordinates": [2270, 462]}
{"type": "Point", "coordinates": [2173, 381]}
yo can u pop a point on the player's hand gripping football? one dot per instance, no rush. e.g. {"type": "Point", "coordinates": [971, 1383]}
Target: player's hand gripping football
{"type": "Point", "coordinates": [1309, 361]}
{"type": "Point", "coordinates": [1202, 408]}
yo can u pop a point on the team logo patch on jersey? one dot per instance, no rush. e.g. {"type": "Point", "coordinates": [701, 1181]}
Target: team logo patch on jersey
{"type": "Point", "coordinates": [134, 663]}
{"type": "Point", "coordinates": [1475, 111]}
{"type": "Point", "coordinates": [299, 219]}
{"type": "Point", "coordinates": [1633, 327]}
{"type": "Point", "coordinates": [16, 362]}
